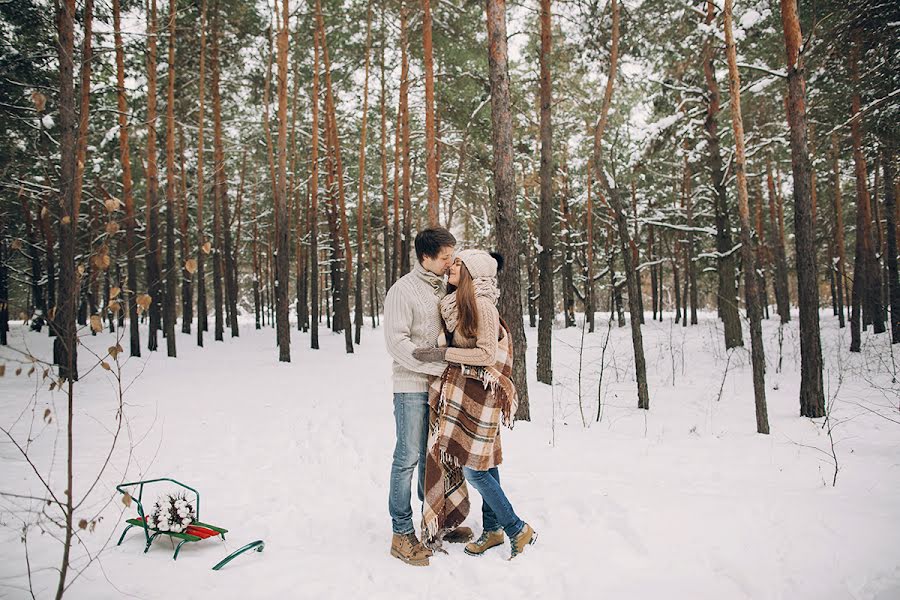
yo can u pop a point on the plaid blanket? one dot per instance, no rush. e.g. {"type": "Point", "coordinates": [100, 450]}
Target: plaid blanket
{"type": "Point", "coordinates": [467, 405]}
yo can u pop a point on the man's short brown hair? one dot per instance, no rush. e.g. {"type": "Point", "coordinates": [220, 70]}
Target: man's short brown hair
{"type": "Point", "coordinates": [430, 241]}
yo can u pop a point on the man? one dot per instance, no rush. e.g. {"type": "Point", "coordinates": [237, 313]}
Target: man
{"type": "Point", "coordinates": [412, 320]}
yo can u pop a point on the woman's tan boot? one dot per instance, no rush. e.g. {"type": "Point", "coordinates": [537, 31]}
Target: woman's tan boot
{"type": "Point", "coordinates": [486, 541]}
{"type": "Point", "coordinates": [525, 538]}
{"type": "Point", "coordinates": [408, 549]}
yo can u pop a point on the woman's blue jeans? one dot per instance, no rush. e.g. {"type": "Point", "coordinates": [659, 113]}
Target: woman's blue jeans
{"type": "Point", "coordinates": [411, 417]}
{"type": "Point", "coordinates": [496, 510]}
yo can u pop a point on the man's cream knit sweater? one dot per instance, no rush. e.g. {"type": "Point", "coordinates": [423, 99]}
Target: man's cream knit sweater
{"type": "Point", "coordinates": [412, 320]}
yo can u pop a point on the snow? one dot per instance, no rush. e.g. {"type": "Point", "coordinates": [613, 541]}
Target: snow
{"type": "Point", "coordinates": [47, 122]}
{"type": "Point", "coordinates": [750, 18]}
{"type": "Point", "coordinates": [685, 500]}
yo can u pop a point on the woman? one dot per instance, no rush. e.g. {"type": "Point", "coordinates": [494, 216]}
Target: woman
{"type": "Point", "coordinates": [468, 404]}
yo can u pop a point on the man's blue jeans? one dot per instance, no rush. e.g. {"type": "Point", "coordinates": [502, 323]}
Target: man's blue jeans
{"type": "Point", "coordinates": [496, 511]}
{"type": "Point", "coordinates": [411, 417]}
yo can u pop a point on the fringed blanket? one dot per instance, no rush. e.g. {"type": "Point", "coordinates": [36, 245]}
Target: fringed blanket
{"type": "Point", "coordinates": [467, 405]}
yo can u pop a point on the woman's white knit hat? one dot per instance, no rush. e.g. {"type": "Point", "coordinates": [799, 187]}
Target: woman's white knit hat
{"type": "Point", "coordinates": [478, 262]}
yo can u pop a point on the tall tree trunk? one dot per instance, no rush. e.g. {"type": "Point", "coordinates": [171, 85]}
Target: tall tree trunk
{"type": "Point", "coordinates": [188, 265]}
{"type": "Point", "coordinates": [431, 154]}
{"type": "Point", "coordinates": [153, 257]}
{"type": "Point", "coordinates": [727, 292]}
{"type": "Point", "coordinates": [257, 275]}
{"type": "Point", "coordinates": [50, 255]}
{"type": "Point", "coordinates": [331, 114]}
{"type": "Point", "coordinates": [4, 282]}
{"type": "Point", "coordinates": [202, 247]}
{"type": "Point", "coordinates": [866, 278]}
{"type": "Point", "coordinates": [782, 300]}
{"type": "Point", "coordinates": [890, 211]}
{"type": "Point", "coordinates": [757, 352]}
{"type": "Point", "coordinates": [130, 239]}
{"type": "Point", "coordinates": [618, 210]}
{"type": "Point", "coordinates": [38, 303]}
{"type": "Point", "coordinates": [388, 260]}
{"type": "Point", "coordinates": [360, 203]}
{"type": "Point", "coordinates": [282, 227]}
{"type": "Point", "coordinates": [546, 302]}
{"type": "Point", "coordinates": [508, 231]}
{"type": "Point", "coordinates": [812, 398]}
{"type": "Point", "coordinates": [589, 306]}
{"type": "Point", "coordinates": [404, 136]}
{"type": "Point", "coordinates": [64, 321]}
{"type": "Point", "coordinates": [761, 254]}
{"type": "Point", "coordinates": [690, 246]}
{"type": "Point", "coordinates": [568, 255]}
{"type": "Point", "coordinates": [231, 252]}
{"type": "Point", "coordinates": [171, 272]}
{"type": "Point", "coordinates": [218, 182]}
{"type": "Point", "coordinates": [313, 216]}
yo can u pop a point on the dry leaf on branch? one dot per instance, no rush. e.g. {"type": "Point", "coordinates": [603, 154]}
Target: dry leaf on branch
{"type": "Point", "coordinates": [126, 499]}
{"type": "Point", "coordinates": [144, 301]}
{"type": "Point", "coordinates": [96, 323]}
{"type": "Point", "coordinates": [190, 265]}
{"type": "Point", "coordinates": [112, 228]}
{"type": "Point", "coordinates": [207, 247]}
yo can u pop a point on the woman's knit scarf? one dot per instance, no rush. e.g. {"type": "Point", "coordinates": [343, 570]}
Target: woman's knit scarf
{"type": "Point", "coordinates": [485, 287]}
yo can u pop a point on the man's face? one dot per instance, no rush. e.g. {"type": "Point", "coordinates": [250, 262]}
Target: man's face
{"type": "Point", "coordinates": [440, 264]}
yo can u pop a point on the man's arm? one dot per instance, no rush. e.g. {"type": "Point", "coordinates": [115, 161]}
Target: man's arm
{"type": "Point", "coordinates": [398, 316]}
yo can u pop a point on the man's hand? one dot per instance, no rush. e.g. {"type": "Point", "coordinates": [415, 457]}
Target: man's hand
{"type": "Point", "coordinates": [429, 354]}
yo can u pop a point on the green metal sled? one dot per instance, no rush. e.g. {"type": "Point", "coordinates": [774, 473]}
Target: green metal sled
{"type": "Point", "coordinates": [194, 533]}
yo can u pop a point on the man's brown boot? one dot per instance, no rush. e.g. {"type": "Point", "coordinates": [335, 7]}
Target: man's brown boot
{"type": "Point", "coordinates": [525, 538]}
{"type": "Point", "coordinates": [407, 548]}
{"type": "Point", "coordinates": [460, 535]}
{"type": "Point", "coordinates": [486, 541]}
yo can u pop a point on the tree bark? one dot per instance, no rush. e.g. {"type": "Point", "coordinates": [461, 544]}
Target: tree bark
{"type": "Point", "coordinates": [757, 352]}
{"type": "Point", "coordinates": [546, 302]}
{"type": "Point", "coordinates": [618, 210]}
{"type": "Point", "coordinates": [282, 227]}
{"type": "Point", "coordinates": [508, 231]}
{"type": "Point", "coordinates": [201, 236]}
{"type": "Point", "coordinates": [727, 292]}
{"type": "Point", "coordinates": [782, 300]}
{"type": "Point", "coordinates": [187, 271]}
{"type": "Point", "coordinates": [331, 114]}
{"type": "Point", "coordinates": [313, 216]}
{"type": "Point", "coordinates": [866, 278]}
{"type": "Point", "coordinates": [890, 211]}
{"type": "Point", "coordinates": [812, 398]}
{"type": "Point", "coordinates": [171, 272]}
{"type": "Point", "coordinates": [360, 203]}
{"type": "Point", "coordinates": [153, 257]}
{"type": "Point", "coordinates": [431, 156]}
{"type": "Point", "coordinates": [64, 321]}
{"type": "Point", "coordinates": [386, 237]}
{"type": "Point", "coordinates": [219, 190]}
{"type": "Point", "coordinates": [130, 239]}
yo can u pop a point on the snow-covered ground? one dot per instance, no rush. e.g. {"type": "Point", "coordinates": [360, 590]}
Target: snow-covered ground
{"type": "Point", "coordinates": [683, 501]}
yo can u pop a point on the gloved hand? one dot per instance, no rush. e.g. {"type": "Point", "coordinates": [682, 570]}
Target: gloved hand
{"type": "Point", "coordinates": [429, 354]}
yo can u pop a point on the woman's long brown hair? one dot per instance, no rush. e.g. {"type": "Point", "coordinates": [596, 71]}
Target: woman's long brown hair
{"type": "Point", "coordinates": [465, 303]}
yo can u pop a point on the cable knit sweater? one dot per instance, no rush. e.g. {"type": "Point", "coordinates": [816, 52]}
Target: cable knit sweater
{"type": "Point", "coordinates": [412, 320]}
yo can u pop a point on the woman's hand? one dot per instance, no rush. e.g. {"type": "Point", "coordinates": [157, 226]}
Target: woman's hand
{"type": "Point", "coordinates": [429, 354]}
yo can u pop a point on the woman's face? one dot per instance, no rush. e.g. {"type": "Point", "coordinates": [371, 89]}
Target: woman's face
{"type": "Point", "coordinates": [454, 272]}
